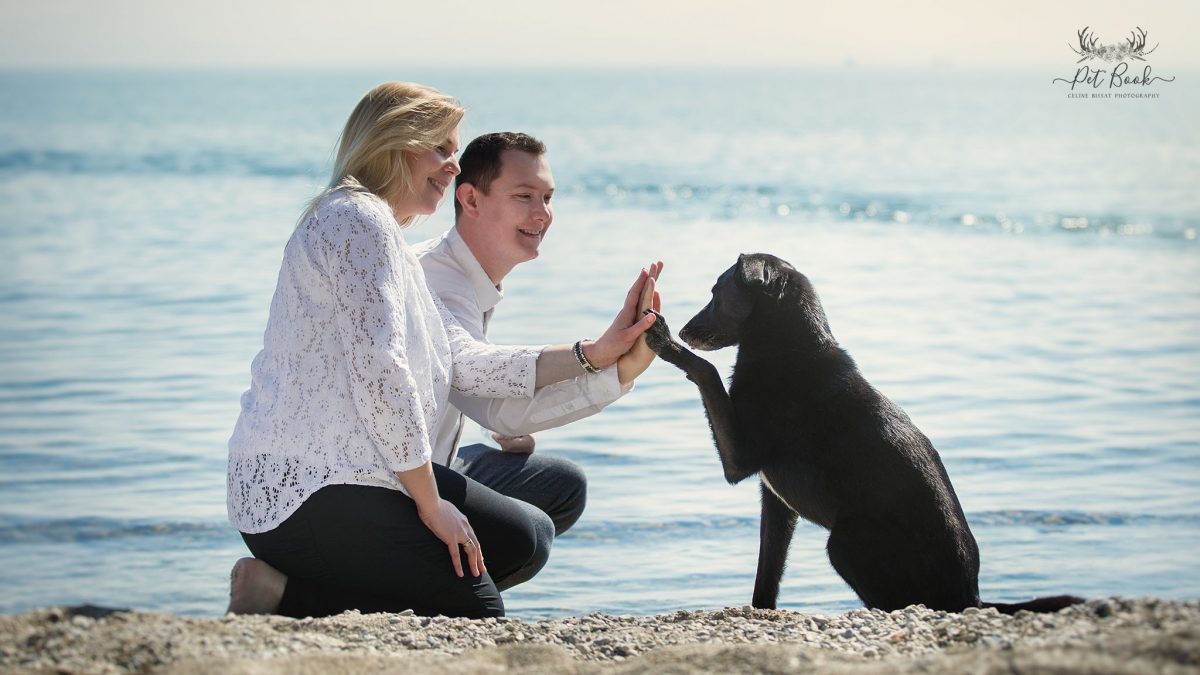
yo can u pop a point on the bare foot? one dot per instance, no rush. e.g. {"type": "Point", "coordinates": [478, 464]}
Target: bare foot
{"type": "Point", "coordinates": [255, 587]}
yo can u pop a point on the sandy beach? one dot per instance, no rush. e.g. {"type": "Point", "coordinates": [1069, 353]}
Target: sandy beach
{"type": "Point", "coordinates": [1113, 635]}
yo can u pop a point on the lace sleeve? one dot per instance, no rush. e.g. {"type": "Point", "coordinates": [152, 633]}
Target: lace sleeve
{"type": "Point", "coordinates": [486, 370]}
{"type": "Point", "coordinates": [361, 257]}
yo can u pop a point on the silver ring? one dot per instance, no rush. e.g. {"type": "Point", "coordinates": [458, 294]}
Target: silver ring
{"type": "Point", "coordinates": [468, 543]}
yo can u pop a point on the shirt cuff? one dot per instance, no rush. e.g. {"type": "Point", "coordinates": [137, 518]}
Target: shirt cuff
{"type": "Point", "coordinates": [396, 464]}
{"type": "Point", "coordinates": [608, 386]}
{"type": "Point", "coordinates": [529, 359]}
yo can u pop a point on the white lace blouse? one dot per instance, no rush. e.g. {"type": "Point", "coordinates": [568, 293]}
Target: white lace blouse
{"type": "Point", "coordinates": [357, 362]}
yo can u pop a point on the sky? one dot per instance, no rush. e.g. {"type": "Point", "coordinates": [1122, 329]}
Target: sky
{"type": "Point", "coordinates": [569, 33]}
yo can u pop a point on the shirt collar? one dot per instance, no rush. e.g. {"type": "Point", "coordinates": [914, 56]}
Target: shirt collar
{"type": "Point", "coordinates": [488, 294]}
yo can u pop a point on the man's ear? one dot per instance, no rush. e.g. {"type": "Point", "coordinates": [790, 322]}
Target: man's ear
{"type": "Point", "coordinates": [468, 198]}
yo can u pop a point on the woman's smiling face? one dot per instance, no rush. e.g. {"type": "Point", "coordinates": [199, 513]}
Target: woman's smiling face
{"type": "Point", "coordinates": [433, 173]}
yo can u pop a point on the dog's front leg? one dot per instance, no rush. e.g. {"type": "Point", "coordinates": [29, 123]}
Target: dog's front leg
{"type": "Point", "coordinates": [721, 420]}
{"type": "Point", "coordinates": [774, 535]}
{"type": "Point", "coordinates": [717, 404]}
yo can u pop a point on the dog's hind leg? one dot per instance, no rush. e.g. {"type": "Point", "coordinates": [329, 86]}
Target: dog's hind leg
{"type": "Point", "coordinates": [774, 535]}
{"type": "Point", "coordinates": [869, 557]}
{"type": "Point", "coordinates": [890, 569]}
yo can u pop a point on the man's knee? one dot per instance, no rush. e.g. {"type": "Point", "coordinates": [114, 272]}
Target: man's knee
{"type": "Point", "coordinates": [543, 535]}
{"type": "Point", "coordinates": [571, 485]}
{"type": "Point", "coordinates": [533, 547]}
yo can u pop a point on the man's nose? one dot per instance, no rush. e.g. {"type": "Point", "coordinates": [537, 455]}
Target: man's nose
{"type": "Point", "coordinates": [542, 213]}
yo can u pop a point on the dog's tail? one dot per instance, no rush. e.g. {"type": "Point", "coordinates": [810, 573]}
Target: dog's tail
{"type": "Point", "coordinates": [1045, 605]}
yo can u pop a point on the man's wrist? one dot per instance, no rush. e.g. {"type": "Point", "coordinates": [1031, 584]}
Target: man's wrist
{"type": "Point", "coordinates": [630, 367]}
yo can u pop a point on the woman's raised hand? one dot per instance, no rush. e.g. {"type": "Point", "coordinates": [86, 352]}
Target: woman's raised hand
{"type": "Point", "coordinates": [450, 525]}
{"type": "Point", "coordinates": [635, 362]}
{"type": "Point", "coordinates": [626, 329]}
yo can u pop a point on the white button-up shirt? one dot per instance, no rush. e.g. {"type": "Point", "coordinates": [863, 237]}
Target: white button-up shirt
{"type": "Point", "coordinates": [456, 277]}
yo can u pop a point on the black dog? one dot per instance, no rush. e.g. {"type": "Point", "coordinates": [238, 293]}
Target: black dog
{"type": "Point", "coordinates": [827, 446]}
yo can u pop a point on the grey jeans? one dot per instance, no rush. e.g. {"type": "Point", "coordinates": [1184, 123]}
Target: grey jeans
{"type": "Point", "coordinates": [552, 490]}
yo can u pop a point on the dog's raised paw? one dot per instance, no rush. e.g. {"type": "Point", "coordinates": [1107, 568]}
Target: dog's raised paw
{"type": "Point", "coordinates": [659, 339]}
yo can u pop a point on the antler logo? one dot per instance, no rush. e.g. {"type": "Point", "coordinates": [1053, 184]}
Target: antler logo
{"type": "Point", "coordinates": [1134, 47]}
{"type": "Point", "coordinates": [1092, 76]}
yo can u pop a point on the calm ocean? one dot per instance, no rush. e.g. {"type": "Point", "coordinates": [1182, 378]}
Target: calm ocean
{"type": "Point", "coordinates": [1019, 270]}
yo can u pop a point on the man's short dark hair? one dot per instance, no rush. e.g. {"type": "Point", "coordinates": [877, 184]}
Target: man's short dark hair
{"type": "Point", "coordinates": [481, 160]}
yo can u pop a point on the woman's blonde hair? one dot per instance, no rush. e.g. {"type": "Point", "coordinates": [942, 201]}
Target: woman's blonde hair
{"type": "Point", "coordinates": [393, 123]}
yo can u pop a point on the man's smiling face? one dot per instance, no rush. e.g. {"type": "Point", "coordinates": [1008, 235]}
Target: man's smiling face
{"type": "Point", "coordinates": [515, 213]}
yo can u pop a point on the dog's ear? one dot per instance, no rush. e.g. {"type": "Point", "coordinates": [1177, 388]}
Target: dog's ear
{"type": "Point", "coordinates": [753, 271]}
{"type": "Point", "coordinates": [760, 274]}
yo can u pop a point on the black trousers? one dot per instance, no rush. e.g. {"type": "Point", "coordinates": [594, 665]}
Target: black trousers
{"type": "Point", "coordinates": [555, 485]}
{"type": "Point", "coordinates": [365, 548]}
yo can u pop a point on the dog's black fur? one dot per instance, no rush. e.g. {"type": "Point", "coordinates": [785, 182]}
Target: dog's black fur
{"type": "Point", "coordinates": [827, 446]}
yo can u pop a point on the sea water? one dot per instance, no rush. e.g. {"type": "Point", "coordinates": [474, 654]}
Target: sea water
{"type": "Point", "coordinates": [1018, 270]}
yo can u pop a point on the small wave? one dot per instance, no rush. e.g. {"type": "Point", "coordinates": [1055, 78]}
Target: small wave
{"type": "Point", "coordinates": [82, 379]}
{"type": "Point", "coordinates": [617, 529]}
{"type": "Point", "coordinates": [713, 526]}
{"type": "Point", "coordinates": [1073, 518]}
{"type": "Point", "coordinates": [79, 530]}
{"type": "Point", "coordinates": [200, 163]}
{"type": "Point", "coordinates": [790, 203]}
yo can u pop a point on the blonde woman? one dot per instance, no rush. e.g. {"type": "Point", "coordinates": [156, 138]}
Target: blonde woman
{"type": "Point", "coordinates": [330, 480]}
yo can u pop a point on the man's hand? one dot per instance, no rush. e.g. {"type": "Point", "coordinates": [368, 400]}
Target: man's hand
{"type": "Point", "coordinates": [629, 323]}
{"type": "Point", "coordinates": [522, 445]}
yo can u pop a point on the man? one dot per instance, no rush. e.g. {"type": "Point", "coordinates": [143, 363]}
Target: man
{"type": "Point", "coordinates": [502, 212]}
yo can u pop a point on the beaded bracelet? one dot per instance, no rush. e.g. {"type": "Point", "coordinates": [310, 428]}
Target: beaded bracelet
{"type": "Point", "coordinates": [582, 359]}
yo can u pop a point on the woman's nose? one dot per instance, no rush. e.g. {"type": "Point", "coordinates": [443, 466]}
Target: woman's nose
{"type": "Point", "coordinates": [452, 167]}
